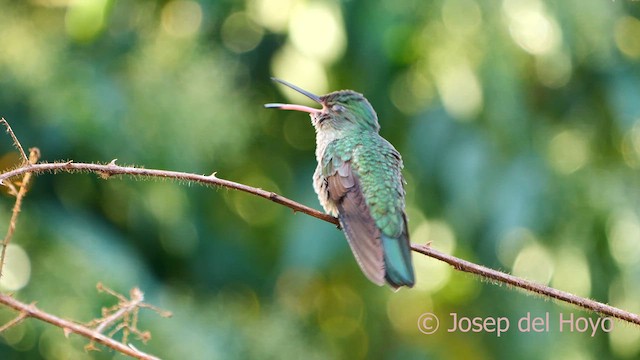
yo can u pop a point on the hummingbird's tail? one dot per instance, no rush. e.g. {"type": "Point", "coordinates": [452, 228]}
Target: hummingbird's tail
{"type": "Point", "coordinates": [397, 261]}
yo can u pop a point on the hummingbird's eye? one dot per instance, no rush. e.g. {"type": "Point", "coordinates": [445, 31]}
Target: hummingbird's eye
{"type": "Point", "coordinates": [337, 108]}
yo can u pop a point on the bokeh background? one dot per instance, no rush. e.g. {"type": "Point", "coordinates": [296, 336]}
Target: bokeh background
{"type": "Point", "coordinates": [519, 123]}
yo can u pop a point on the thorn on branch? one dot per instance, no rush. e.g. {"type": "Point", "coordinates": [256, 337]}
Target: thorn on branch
{"type": "Point", "coordinates": [108, 170]}
{"type": "Point", "coordinates": [62, 166]}
{"type": "Point", "coordinates": [91, 347]}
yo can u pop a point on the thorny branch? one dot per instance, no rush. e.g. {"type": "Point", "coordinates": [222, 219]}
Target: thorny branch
{"type": "Point", "coordinates": [495, 275]}
{"type": "Point", "coordinates": [34, 156]}
{"type": "Point", "coordinates": [124, 315]}
{"type": "Point", "coordinates": [459, 264]}
{"type": "Point", "coordinates": [107, 170]}
{"type": "Point", "coordinates": [30, 310]}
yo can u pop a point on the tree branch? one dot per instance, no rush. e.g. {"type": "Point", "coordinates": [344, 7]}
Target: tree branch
{"type": "Point", "coordinates": [34, 156]}
{"type": "Point", "coordinates": [469, 267]}
{"type": "Point", "coordinates": [125, 313]}
{"type": "Point", "coordinates": [107, 170]}
{"type": "Point", "coordinates": [110, 169]}
{"type": "Point", "coordinates": [69, 327]}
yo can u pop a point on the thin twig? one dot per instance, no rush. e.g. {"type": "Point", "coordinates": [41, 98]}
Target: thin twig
{"type": "Point", "coordinates": [17, 320]}
{"type": "Point", "coordinates": [123, 316]}
{"type": "Point", "coordinates": [458, 264]}
{"type": "Point", "coordinates": [34, 156]}
{"type": "Point", "coordinates": [70, 327]}
{"type": "Point", "coordinates": [125, 307]}
{"type": "Point", "coordinates": [16, 143]}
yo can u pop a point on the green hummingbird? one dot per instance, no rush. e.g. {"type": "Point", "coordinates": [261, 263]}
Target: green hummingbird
{"type": "Point", "coordinates": [359, 180]}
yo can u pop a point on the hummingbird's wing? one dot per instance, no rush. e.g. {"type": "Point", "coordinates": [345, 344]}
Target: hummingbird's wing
{"type": "Point", "coordinates": [356, 221]}
{"type": "Point", "coordinates": [365, 186]}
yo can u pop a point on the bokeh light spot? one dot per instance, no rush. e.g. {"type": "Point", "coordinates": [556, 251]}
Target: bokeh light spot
{"type": "Point", "coordinates": [624, 294]}
{"type": "Point", "coordinates": [623, 231]}
{"type": "Point", "coordinates": [166, 202]}
{"type": "Point", "coordinates": [459, 88]}
{"type": "Point", "coordinates": [625, 342]}
{"type": "Point", "coordinates": [403, 309]}
{"type": "Point", "coordinates": [411, 92]}
{"type": "Point", "coordinates": [511, 244]}
{"type": "Point", "coordinates": [554, 70]}
{"type": "Point", "coordinates": [298, 291]}
{"type": "Point", "coordinates": [290, 65]}
{"type": "Point", "coordinates": [572, 272]}
{"type": "Point", "coordinates": [182, 18]}
{"type": "Point", "coordinates": [531, 27]}
{"type": "Point", "coordinates": [253, 209]}
{"type": "Point", "coordinates": [85, 19]}
{"type": "Point", "coordinates": [630, 146]}
{"type": "Point", "coordinates": [534, 263]}
{"type": "Point", "coordinates": [317, 31]}
{"type": "Point", "coordinates": [23, 54]}
{"type": "Point", "coordinates": [240, 34]}
{"type": "Point", "coordinates": [15, 336]}
{"type": "Point", "coordinates": [437, 273]}
{"type": "Point", "coordinates": [568, 151]}
{"type": "Point", "coordinates": [341, 311]}
{"type": "Point", "coordinates": [17, 269]}
{"type": "Point", "coordinates": [272, 14]}
{"type": "Point", "coordinates": [461, 16]}
{"type": "Point", "coordinates": [627, 36]}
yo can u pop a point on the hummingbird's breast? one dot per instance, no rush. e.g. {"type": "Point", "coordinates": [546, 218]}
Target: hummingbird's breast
{"type": "Point", "coordinates": [320, 184]}
{"type": "Point", "coordinates": [323, 139]}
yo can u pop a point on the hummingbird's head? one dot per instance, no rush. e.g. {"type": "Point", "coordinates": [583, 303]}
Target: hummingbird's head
{"type": "Point", "coordinates": [341, 110]}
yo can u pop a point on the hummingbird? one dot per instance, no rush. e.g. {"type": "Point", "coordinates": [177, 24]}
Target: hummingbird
{"type": "Point", "coordinates": [359, 180]}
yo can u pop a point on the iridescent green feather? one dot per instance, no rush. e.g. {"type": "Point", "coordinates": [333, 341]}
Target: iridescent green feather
{"type": "Point", "coordinates": [378, 165]}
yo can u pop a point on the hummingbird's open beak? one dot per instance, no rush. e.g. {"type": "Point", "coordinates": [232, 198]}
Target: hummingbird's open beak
{"type": "Point", "coordinates": [306, 93]}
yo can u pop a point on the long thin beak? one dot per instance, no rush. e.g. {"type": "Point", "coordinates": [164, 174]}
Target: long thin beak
{"type": "Point", "coordinates": [306, 93]}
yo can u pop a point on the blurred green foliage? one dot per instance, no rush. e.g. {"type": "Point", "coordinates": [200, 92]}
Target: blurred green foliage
{"type": "Point", "coordinates": [519, 123]}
